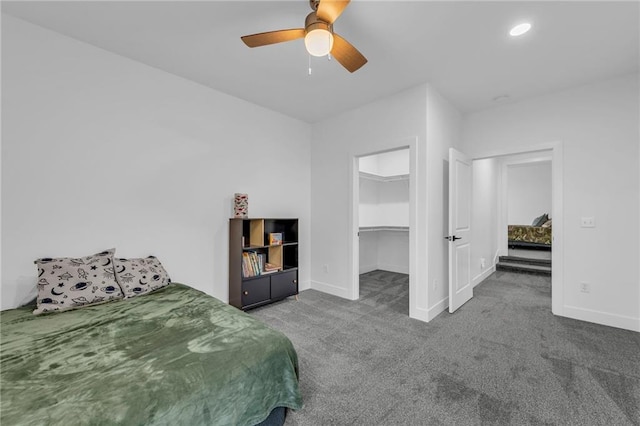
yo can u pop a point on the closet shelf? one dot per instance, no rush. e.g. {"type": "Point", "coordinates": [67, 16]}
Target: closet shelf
{"type": "Point", "coordinates": [384, 228]}
{"type": "Point", "coordinates": [380, 178]}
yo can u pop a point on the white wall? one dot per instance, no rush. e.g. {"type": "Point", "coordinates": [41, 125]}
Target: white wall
{"type": "Point", "coordinates": [385, 250]}
{"type": "Point", "coordinates": [368, 252]}
{"type": "Point", "coordinates": [444, 124]}
{"type": "Point", "coordinates": [484, 219]}
{"type": "Point", "coordinates": [369, 164]}
{"type": "Point", "coordinates": [393, 251]}
{"type": "Point", "coordinates": [598, 126]}
{"type": "Point", "coordinates": [393, 203]}
{"type": "Point", "coordinates": [369, 201]}
{"type": "Point", "coordinates": [99, 151]}
{"type": "Point", "coordinates": [384, 203]}
{"type": "Point", "coordinates": [392, 163]}
{"type": "Point", "coordinates": [528, 192]}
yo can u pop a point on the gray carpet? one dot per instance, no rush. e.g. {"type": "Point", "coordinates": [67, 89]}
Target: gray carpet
{"type": "Point", "coordinates": [503, 358]}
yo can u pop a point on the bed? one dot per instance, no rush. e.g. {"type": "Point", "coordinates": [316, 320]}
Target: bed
{"type": "Point", "coordinates": [172, 357]}
{"type": "Point", "coordinates": [527, 236]}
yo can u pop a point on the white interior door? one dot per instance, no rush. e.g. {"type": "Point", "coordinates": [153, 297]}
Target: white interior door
{"type": "Point", "coordinates": [460, 287]}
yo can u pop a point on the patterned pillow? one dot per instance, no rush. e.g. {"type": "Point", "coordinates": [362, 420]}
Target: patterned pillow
{"type": "Point", "coordinates": [538, 221]}
{"type": "Point", "coordinates": [140, 276]}
{"type": "Point", "coordinates": [66, 283]}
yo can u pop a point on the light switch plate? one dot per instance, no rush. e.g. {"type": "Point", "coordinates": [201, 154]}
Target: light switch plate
{"type": "Point", "coordinates": [588, 222]}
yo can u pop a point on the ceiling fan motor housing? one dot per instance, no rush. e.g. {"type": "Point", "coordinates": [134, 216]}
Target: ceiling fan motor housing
{"type": "Point", "coordinates": [312, 22]}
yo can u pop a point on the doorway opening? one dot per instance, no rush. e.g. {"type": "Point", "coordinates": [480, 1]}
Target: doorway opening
{"type": "Point", "coordinates": [383, 202]}
{"type": "Point", "coordinates": [495, 185]}
{"type": "Point", "coordinates": [527, 191]}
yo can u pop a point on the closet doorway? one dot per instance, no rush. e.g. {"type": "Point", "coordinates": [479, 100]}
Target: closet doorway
{"type": "Point", "coordinates": [382, 208]}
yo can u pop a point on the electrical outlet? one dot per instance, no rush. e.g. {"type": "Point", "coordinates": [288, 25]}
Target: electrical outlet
{"type": "Point", "coordinates": [483, 263]}
{"type": "Point", "coordinates": [325, 268]}
{"type": "Point", "coordinates": [585, 287]}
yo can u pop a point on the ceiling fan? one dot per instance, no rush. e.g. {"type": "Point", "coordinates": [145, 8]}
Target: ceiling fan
{"type": "Point", "coordinates": [319, 38]}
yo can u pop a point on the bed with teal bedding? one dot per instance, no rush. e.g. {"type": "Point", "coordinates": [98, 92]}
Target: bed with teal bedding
{"type": "Point", "coordinates": [172, 357]}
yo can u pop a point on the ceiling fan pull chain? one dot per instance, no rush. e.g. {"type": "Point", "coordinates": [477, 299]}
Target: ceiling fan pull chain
{"type": "Point", "coordinates": [309, 64]}
{"type": "Point", "coordinates": [329, 56]}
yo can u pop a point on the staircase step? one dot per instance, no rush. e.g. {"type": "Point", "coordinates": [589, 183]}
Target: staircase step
{"type": "Point", "coordinates": [524, 268]}
{"type": "Point", "coordinates": [525, 260]}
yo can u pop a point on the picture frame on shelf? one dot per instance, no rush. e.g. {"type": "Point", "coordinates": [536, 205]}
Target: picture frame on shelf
{"type": "Point", "coordinates": [275, 238]}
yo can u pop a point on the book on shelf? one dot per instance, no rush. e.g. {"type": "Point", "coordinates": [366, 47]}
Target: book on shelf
{"type": "Point", "coordinates": [251, 264]}
{"type": "Point", "coordinates": [275, 238]}
{"type": "Point", "coordinates": [269, 267]}
{"type": "Point", "coordinates": [246, 270]}
{"type": "Point", "coordinates": [255, 264]}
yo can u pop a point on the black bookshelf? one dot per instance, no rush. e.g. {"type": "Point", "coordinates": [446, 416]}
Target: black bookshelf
{"type": "Point", "coordinates": [250, 285]}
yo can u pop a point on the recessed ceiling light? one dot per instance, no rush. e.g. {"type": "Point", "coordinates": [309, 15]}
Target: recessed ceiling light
{"type": "Point", "coordinates": [520, 29]}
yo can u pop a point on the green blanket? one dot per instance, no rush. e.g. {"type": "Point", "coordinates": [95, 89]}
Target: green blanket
{"type": "Point", "coordinates": [172, 357]}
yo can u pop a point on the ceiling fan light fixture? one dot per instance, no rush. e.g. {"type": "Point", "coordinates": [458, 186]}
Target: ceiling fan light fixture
{"type": "Point", "coordinates": [318, 42]}
{"type": "Point", "coordinates": [520, 29]}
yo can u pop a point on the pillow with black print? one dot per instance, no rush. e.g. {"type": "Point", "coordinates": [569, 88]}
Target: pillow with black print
{"type": "Point", "coordinates": [140, 276]}
{"type": "Point", "coordinates": [71, 282]}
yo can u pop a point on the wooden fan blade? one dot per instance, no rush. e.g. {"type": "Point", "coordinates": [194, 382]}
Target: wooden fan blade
{"type": "Point", "coordinates": [330, 10]}
{"type": "Point", "coordinates": [348, 56]}
{"type": "Point", "coordinates": [272, 37]}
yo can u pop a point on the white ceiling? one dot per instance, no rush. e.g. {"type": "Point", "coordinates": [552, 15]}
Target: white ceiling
{"type": "Point", "coordinates": [461, 47]}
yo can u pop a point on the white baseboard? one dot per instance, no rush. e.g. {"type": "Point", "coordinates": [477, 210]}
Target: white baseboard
{"type": "Point", "coordinates": [437, 309]}
{"type": "Point", "coordinates": [367, 268]}
{"type": "Point", "coordinates": [419, 314]}
{"type": "Point", "coordinates": [332, 289]}
{"type": "Point", "coordinates": [304, 285]}
{"type": "Point", "coordinates": [604, 318]}
{"type": "Point", "coordinates": [399, 269]}
{"type": "Point", "coordinates": [427, 315]}
{"type": "Point", "coordinates": [483, 276]}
